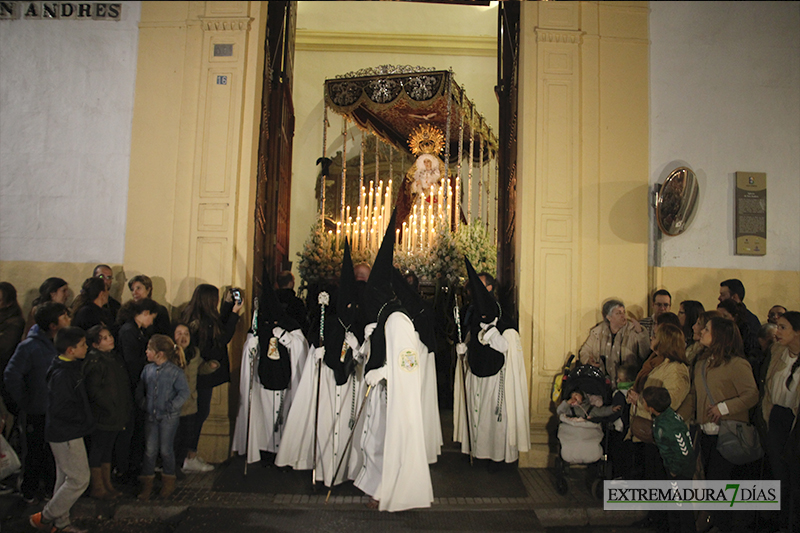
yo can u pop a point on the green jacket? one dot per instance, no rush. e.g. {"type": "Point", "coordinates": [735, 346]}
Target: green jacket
{"type": "Point", "coordinates": [674, 443]}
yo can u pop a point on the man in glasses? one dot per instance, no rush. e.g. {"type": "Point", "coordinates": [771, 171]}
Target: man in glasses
{"type": "Point", "coordinates": [775, 312]}
{"type": "Point", "coordinates": [662, 302]}
{"type": "Point", "coordinates": [104, 272]}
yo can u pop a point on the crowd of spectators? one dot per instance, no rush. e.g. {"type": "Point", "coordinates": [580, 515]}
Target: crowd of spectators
{"type": "Point", "coordinates": [95, 394]}
{"type": "Point", "coordinates": [714, 366]}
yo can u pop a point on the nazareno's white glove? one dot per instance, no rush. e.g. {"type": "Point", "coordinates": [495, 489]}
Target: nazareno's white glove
{"type": "Point", "coordinates": [368, 329]}
{"type": "Point", "coordinates": [362, 354]}
{"type": "Point", "coordinates": [373, 377]}
{"type": "Point", "coordinates": [487, 325]}
{"type": "Point", "coordinates": [278, 332]}
{"type": "Point", "coordinates": [351, 341]}
{"type": "Point", "coordinates": [461, 349]}
{"type": "Point", "coordinates": [492, 338]}
{"type": "Point", "coordinates": [319, 353]}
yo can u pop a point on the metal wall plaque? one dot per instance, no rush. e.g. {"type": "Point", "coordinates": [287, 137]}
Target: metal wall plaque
{"type": "Point", "coordinates": [223, 50]}
{"type": "Point", "coordinates": [751, 213]}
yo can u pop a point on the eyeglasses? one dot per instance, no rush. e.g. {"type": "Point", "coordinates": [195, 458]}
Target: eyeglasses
{"type": "Point", "coordinates": [103, 276]}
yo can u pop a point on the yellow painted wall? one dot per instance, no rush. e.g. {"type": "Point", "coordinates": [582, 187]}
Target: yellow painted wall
{"type": "Point", "coordinates": [763, 288]}
{"type": "Point", "coordinates": [26, 276]}
{"type": "Point", "coordinates": [582, 181]}
{"type": "Point", "coordinates": [193, 163]}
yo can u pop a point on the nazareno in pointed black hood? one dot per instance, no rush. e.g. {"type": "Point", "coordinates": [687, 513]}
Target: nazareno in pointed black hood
{"type": "Point", "coordinates": [484, 361]}
{"type": "Point", "coordinates": [274, 362]}
{"type": "Point", "coordinates": [379, 299]}
{"type": "Point", "coordinates": [338, 355]}
{"type": "Point", "coordinates": [419, 311]}
{"type": "Point", "coordinates": [379, 286]}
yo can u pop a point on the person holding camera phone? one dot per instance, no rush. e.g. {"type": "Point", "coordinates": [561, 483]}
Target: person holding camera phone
{"type": "Point", "coordinates": [211, 331]}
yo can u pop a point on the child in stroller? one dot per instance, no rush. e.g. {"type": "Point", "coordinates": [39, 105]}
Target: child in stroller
{"type": "Point", "coordinates": [583, 416]}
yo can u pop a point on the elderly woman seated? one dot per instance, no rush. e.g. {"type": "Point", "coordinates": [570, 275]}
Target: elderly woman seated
{"type": "Point", "coordinates": [616, 341]}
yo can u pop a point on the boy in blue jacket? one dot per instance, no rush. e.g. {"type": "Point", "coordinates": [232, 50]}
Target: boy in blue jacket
{"type": "Point", "coordinates": [26, 384]}
{"type": "Point", "coordinates": [68, 421]}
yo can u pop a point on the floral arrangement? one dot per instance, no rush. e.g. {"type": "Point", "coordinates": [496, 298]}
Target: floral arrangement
{"type": "Point", "coordinates": [475, 242]}
{"type": "Point", "coordinates": [321, 259]}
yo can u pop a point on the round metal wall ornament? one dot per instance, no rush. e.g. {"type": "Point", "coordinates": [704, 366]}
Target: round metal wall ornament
{"type": "Point", "coordinates": [676, 201]}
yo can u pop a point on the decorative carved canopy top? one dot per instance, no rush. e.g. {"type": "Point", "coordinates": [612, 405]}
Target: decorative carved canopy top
{"type": "Point", "coordinates": [392, 100]}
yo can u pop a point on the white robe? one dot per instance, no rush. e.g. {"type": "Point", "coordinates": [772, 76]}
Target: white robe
{"type": "Point", "coordinates": [431, 423]}
{"type": "Point", "coordinates": [338, 405]}
{"type": "Point", "coordinates": [498, 440]}
{"type": "Point", "coordinates": [269, 407]}
{"type": "Point", "coordinates": [394, 469]}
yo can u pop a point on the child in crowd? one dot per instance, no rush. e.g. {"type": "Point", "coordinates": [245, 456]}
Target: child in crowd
{"type": "Point", "coordinates": [185, 456]}
{"type": "Point", "coordinates": [107, 386]}
{"type": "Point", "coordinates": [161, 393]}
{"type": "Point", "coordinates": [68, 420]}
{"type": "Point", "coordinates": [619, 450]}
{"type": "Point", "coordinates": [671, 435]}
{"type": "Point", "coordinates": [579, 430]}
{"type": "Point", "coordinates": [585, 406]}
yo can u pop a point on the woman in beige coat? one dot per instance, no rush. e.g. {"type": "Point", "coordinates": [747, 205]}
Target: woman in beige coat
{"type": "Point", "coordinates": [666, 368]}
{"type": "Point", "coordinates": [725, 390]}
{"type": "Point", "coordinates": [615, 342]}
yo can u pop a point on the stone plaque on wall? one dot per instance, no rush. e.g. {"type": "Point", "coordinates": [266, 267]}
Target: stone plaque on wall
{"type": "Point", "coordinates": [751, 213]}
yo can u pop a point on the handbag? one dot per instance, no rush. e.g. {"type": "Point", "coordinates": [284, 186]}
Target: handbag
{"type": "Point", "coordinates": [9, 461]}
{"type": "Point", "coordinates": [737, 441]}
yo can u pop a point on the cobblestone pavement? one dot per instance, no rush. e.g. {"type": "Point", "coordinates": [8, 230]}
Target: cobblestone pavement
{"type": "Point", "coordinates": [196, 506]}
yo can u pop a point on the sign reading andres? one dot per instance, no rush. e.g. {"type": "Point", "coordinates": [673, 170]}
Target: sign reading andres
{"type": "Point", "coordinates": [60, 10]}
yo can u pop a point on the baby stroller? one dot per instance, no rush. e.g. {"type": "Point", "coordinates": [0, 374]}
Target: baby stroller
{"type": "Point", "coordinates": [584, 441]}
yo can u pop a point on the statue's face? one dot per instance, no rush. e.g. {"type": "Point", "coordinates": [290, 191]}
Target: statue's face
{"type": "Point", "coordinates": [427, 164]}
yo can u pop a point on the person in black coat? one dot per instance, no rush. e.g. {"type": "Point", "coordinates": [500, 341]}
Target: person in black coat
{"type": "Point", "coordinates": [69, 420]}
{"type": "Point", "coordinates": [141, 288]}
{"type": "Point", "coordinates": [137, 319]}
{"type": "Point", "coordinates": [212, 332]}
{"type": "Point", "coordinates": [105, 273]}
{"type": "Point", "coordinates": [107, 386]}
{"type": "Point", "coordinates": [88, 309]}
{"type": "Point", "coordinates": [26, 384]}
{"type": "Point", "coordinates": [12, 323]}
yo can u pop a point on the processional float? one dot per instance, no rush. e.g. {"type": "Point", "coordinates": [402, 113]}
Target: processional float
{"type": "Point", "coordinates": [408, 137]}
{"type": "Point", "coordinates": [420, 146]}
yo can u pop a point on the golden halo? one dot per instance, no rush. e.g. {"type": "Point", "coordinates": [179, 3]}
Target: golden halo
{"type": "Point", "coordinates": [426, 139]}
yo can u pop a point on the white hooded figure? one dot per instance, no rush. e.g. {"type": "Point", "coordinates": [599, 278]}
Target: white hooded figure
{"type": "Point", "coordinates": [495, 423]}
{"type": "Point", "coordinates": [337, 372]}
{"type": "Point", "coordinates": [422, 316]}
{"type": "Point", "coordinates": [280, 351]}
{"type": "Point", "coordinates": [393, 461]}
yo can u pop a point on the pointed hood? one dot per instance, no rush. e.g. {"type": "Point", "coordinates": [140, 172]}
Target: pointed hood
{"type": "Point", "coordinates": [419, 311]}
{"type": "Point", "coordinates": [379, 287]}
{"type": "Point", "coordinates": [274, 363]}
{"type": "Point", "coordinates": [486, 307]}
{"type": "Point", "coordinates": [346, 301]}
{"type": "Point", "coordinates": [271, 311]}
{"type": "Point", "coordinates": [484, 361]}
